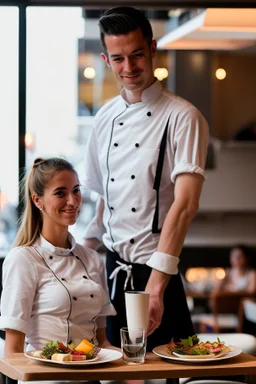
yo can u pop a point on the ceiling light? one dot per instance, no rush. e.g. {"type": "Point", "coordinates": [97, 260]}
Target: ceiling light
{"type": "Point", "coordinates": [89, 73]}
{"type": "Point", "coordinates": [29, 141]}
{"type": "Point", "coordinates": [220, 74]}
{"type": "Point", "coordinates": [161, 73]}
{"type": "Point", "coordinates": [214, 28]}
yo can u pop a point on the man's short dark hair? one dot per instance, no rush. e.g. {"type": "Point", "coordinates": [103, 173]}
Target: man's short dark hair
{"type": "Point", "coordinates": [121, 21]}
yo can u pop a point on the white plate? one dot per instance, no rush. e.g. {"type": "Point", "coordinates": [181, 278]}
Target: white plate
{"type": "Point", "coordinates": [161, 351]}
{"type": "Point", "coordinates": [104, 356]}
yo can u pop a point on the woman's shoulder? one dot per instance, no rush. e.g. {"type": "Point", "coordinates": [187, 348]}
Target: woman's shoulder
{"type": "Point", "coordinates": [20, 253]}
{"type": "Point", "coordinates": [19, 261]}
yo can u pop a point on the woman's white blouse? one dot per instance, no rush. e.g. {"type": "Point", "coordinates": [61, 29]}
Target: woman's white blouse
{"type": "Point", "coordinates": [52, 293]}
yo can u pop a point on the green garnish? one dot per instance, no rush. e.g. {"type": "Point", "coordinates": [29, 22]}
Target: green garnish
{"type": "Point", "coordinates": [190, 341]}
{"type": "Point", "coordinates": [50, 348]}
{"type": "Point", "coordinates": [199, 351]}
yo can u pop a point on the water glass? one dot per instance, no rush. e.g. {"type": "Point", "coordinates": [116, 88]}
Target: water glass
{"type": "Point", "coordinates": [133, 345]}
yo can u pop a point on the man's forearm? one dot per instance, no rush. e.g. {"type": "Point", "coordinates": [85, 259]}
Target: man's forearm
{"type": "Point", "coordinates": [174, 231]}
{"type": "Point", "coordinates": [170, 244]}
{"type": "Point", "coordinates": [157, 283]}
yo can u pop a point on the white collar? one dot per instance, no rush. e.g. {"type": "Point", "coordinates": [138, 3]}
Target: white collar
{"type": "Point", "coordinates": [49, 247]}
{"type": "Point", "coordinates": [149, 94]}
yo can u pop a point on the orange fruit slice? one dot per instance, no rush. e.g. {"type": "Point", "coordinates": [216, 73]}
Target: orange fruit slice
{"type": "Point", "coordinates": [85, 346]}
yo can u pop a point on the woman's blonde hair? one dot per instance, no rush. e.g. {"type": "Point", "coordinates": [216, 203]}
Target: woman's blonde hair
{"type": "Point", "coordinates": [35, 182]}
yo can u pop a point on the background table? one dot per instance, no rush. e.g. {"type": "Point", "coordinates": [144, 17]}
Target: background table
{"type": "Point", "coordinates": [21, 368]}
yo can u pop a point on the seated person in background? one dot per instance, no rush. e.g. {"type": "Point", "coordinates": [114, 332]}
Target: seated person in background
{"type": "Point", "coordinates": [53, 288]}
{"type": "Point", "coordinates": [240, 277]}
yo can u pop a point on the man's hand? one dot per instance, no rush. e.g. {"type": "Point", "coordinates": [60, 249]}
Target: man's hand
{"type": "Point", "coordinates": [156, 310]}
{"type": "Point", "coordinates": [156, 285]}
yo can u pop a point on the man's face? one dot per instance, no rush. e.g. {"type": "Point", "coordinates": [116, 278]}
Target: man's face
{"type": "Point", "coordinates": [130, 57]}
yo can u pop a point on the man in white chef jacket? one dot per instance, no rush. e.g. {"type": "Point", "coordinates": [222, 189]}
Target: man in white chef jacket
{"type": "Point", "coordinates": [145, 158]}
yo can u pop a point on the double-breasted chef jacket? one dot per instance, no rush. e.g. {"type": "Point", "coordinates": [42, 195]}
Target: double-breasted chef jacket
{"type": "Point", "coordinates": [121, 160]}
{"type": "Point", "coordinates": [52, 293]}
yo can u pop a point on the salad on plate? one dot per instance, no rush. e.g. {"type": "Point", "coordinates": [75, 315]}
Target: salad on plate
{"type": "Point", "coordinates": [58, 351]}
{"type": "Point", "coordinates": [192, 347]}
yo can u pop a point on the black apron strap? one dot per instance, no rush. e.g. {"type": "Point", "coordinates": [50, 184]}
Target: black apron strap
{"type": "Point", "coordinates": [159, 169]}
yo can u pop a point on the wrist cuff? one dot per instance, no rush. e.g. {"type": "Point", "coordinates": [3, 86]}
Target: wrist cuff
{"type": "Point", "coordinates": [164, 262]}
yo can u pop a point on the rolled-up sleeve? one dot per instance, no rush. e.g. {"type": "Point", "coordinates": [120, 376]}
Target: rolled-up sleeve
{"type": "Point", "coordinates": [19, 287]}
{"type": "Point", "coordinates": [191, 137]}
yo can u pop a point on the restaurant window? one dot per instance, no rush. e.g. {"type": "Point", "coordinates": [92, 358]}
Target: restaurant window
{"type": "Point", "coordinates": [66, 84]}
{"type": "Point", "coordinates": [9, 126]}
{"type": "Point", "coordinates": [62, 94]}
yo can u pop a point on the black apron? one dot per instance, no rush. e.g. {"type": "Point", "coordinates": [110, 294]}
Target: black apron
{"type": "Point", "coordinates": [176, 322]}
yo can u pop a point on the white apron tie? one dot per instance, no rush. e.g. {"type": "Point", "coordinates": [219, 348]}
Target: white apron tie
{"type": "Point", "coordinates": [129, 276]}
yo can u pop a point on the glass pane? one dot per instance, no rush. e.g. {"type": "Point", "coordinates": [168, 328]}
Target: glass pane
{"type": "Point", "coordinates": [9, 126]}
{"type": "Point", "coordinates": [67, 83]}
{"type": "Point", "coordinates": [58, 124]}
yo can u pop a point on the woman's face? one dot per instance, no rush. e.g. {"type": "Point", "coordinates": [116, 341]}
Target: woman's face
{"type": "Point", "coordinates": [62, 200]}
{"type": "Point", "coordinates": [238, 259]}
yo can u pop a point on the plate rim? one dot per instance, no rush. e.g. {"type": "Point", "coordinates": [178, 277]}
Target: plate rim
{"type": "Point", "coordinates": [96, 360]}
{"type": "Point", "coordinates": [234, 352]}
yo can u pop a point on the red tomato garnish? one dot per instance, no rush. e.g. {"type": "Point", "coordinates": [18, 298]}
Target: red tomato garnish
{"type": "Point", "coordinates": [63, 347]}
{"type": "Point", "coordinates": [77, 353]}
{"type": "Point", "coordinates": [78, 357]}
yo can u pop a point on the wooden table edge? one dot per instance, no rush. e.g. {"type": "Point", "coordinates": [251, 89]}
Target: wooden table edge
{"type": "Point", "coordinates": [154, 368]}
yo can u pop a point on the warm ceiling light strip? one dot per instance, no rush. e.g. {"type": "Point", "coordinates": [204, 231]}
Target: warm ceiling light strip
{"type": "Point", "coordinates": [214, 29]}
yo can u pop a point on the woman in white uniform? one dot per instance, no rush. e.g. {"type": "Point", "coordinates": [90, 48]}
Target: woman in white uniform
{"type": "Point", "coordinates": [239, 277]}
{"type": "Point", "coordinates": [53, 288]}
